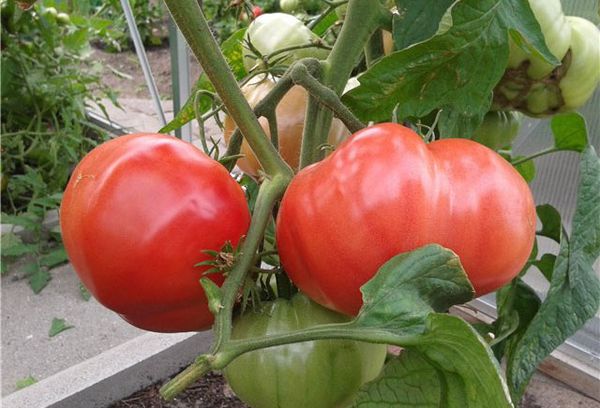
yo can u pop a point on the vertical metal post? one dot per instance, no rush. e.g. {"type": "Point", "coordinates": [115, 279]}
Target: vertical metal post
{"type": "Point", "coordinates": [180, 76]}
{"type": "Point", "coordinates": [141, 54]}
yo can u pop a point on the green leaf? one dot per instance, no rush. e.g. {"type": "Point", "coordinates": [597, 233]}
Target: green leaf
{"type": "Point", "coordinates": [410, 286]}
{"type": "Point", "coordinates": [526, 169]}
{"type": "Point", "coordinates": [525, 30]}
{"type": "Point", "coordinates": [58, 326]}
{"type": "Point", "coordinates": [417, 20]}
{"type": "Point", "coordinates": [569, 131]}
{"type": "Point", "coordinates": [76, 40]}
{"type": "Point", "coordinates": [54, 258]}
{"type": "Point", "coordinates": [451, 367]}
{"type": "Point", "coordinates": [38, 277]}
{"type": "Point", "coordinates": [325, 23]}
{"type": "Point", "coordinates": [546, 265]}
{"type": "Point", "coordinates": [12, 245]}
{"type": "Point", "coordinates": [187, 112]}
{"type": "Point", "coordinates": [455, 71]}
{"type": "Point", "coordinates": [25, 382]}
{"type": "Point", "coordinates": [85, 294]}
{"type": "Point", "coordinates": [233, 53]}
{"type": "Point", "coordinates": [574, 294]}
{"type": "Point", "coordinates": [214, 295]}
{"type": "Point", "coordinates": [517, 305]}
{"type": "Point", "coordinates": [551, 223]}
{"type": "Point", "coordinates": [27, 220]}
{"type": "Point", "coordinates": [453, 124]}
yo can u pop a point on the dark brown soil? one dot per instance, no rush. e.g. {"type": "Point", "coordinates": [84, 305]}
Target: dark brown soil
{"type": "Point", "coordinates": [209, 392]}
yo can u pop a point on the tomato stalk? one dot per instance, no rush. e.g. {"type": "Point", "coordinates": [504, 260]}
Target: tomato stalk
{"type": "Point", "coordinates": [188, 16]}
{"type": "Point", "coordinates": [363, 18]}
{"type": "Point", "coordinates": [235, 348]}
{"type": "Point", "coordinates": [325, 96]}
{"type": "Point", "coordinates": [522, 160]}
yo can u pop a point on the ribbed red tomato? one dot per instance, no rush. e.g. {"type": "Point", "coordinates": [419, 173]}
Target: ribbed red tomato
{"type": "Point", "coordinates": [383, 192]}
{"type": "Point", "coordinates": [136, 217]}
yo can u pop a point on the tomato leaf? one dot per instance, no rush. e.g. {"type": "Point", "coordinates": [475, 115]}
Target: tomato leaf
{"type": "Point", "coordinates": [58, 326]}
{"type": "Point", "coordinates": [551, 224]}
{"type": "Point", "coordinates": [417, 20]}
{"type": "Point", "coordinates": [455, 70]}
{"type": "Point", "coordinates": [526, 169]}
{"type": "Point", "coordinates": [85, 294]}
{"type": "Point", "coordinates": [516, 302]}
{"type": "Point", "coordinates": [232, 50]}
{"type": "Point", "coordinates": [54, 258]}
{"type": "Point", "coordinates": [569, 131]}
{"type": "Point", "coordinates": [450, 367]}
{"type": "Point", "coordinates": [323, 25]}
{"type": "Point", "coordinates": [546, 265]}
{"type": "Point", "coordinates": [410, 286]}
{"type": "Point", "coordinates": [187, 112]}
{"type": "Point", "coordinates": [574, 294]}
{"type": "Point", "coordinates": [12, 245]}
{"type": "Point", "coordinates": [38, 277]}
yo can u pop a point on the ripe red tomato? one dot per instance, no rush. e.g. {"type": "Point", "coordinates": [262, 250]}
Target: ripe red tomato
{"type": "Point", "coordinates": [136, 217]}
{"type": "Point", "coordinates": [256, 11]}
{"type": "Point", "coordinates": [384, 192]}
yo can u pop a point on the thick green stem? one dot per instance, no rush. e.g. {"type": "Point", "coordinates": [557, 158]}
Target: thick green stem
{"type": "Point", "coordinates": [269, 192]}
{"type": "Point", "coordinates": [235, 348]}
{"type": "Point", "coordinates": [190, 20]}
{"type": "Point", "coordinates": [186, 378]}
{"type": "Point", "coordinates": [362, 19]}
{"type": "Point", "coordinates": [345, 331]}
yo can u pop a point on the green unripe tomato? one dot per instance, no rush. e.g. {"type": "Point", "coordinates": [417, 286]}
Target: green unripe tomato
{"type": "Point", "coordinates": [583, 75]}
{"type": "Point", "coordinates": [498, 129]}
{"type": "Point", "coordinates": [557, 34]}
{"type": "Point", "coordinates": [315, 374]}
{"type": "Point", "coordinates": [272, 32]}
{"type": "Point", "coordinates": [63, 19]}
{"type": "Point", "coordinates": [289, 6]}
{"type": "Point", "coordinates": [49, 12]}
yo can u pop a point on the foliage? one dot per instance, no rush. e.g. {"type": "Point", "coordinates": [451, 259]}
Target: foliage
{"type": "Point", "coordinates": [148, 15]}
{"type": "Point", "coordinates": [226, 16]}
{"type": "Point", "coordinates": [47, 82]}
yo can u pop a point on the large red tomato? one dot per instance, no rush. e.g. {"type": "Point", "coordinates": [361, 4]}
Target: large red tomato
{"type": "Point", "coordinates": [136, 217]}
{"type": "Point", "coordinates": [384, 192]}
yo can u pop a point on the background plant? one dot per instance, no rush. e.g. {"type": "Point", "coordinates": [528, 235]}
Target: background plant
{"type": "Point", "coordinates": [47, 82]}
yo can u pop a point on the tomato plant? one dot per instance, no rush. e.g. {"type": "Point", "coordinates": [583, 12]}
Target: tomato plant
{"type": "Point", "coordinates": [322, 373]}
{"type": "Point", "coordinates": [137, 215]}
{"type": "Point", "coordinates": [393, 228]}
{"type": "Point", "coordinates": [290, 113]}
